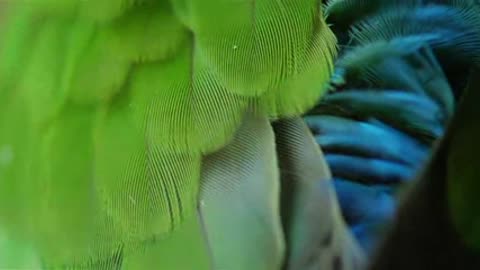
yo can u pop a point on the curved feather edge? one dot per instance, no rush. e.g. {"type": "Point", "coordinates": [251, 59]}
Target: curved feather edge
{"type": "Point", "coordinates": [239, 200]}
{"type": "Point", "coordinates": [316, 234]}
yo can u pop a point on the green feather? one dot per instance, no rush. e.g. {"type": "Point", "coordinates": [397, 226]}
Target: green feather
{"type": "Point", "coordinates": [100, 11]}
{"type": "Point", "coordinates": [258, 46]}
{"type": "Point", "coordinates": [170, 252]}
{"type": "Point", "coordinates": [180, 104]}
{"type": "Point", "coordinates": [303, 90]}
{"type": "Point", "coordinates": [40, 83]}
{"type": "Point", "coordinates": [14, 250]}
{"type": "Point", "coordinates": [17, 40]}
{"type": "Point", "coordinates": [239, 200]}
{"type": "Point", "coordinates": [144, 190]}
{"type": "Point", "coordinates": [111, 105]}
{"type": "Point", "coordinates": [16, 150]}
{"type": "Point", "coordinates": [149, 32]}
{"type": "Point", "coordinates": [64, 160]}
{"type": "Point", "coordinates": [93, 72]}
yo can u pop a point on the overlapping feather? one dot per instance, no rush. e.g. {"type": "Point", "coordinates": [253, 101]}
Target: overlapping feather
{"type": "Point", "coordinates": [109, 107]}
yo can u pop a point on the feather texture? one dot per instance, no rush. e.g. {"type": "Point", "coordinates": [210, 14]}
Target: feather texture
{"type": "Point", "coordinates": [239, 200]}
{"type": "Point", "coordinates": [115, 104]}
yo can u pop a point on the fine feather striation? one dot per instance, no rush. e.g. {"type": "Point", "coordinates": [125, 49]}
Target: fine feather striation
{"type": "Point", "coordinates": [445, 29]}
{"type": "Point", "coordinates": [109, 108]}
{"type": "Point", "coordinates": [239, 200]}
{"type": "Point", "coordinates": [343, 13]}
{"type": "Point", "coordinates": [416, 69]}
{"type": "Point", "coordinates": [260, 46]}
{"type": "Point", "coordinates": [449, 30]}
{"type": "Point", "coordinates": [77, 60]}
{"type": "Point", "coordinates": [315, 233]}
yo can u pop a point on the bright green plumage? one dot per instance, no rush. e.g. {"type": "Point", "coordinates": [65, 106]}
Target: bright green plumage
{"type": "Point", "coordinates": [109, 107]}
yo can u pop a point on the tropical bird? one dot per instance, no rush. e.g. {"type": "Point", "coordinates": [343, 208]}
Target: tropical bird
{"type": "Point", "coordinates": [153, 134]}
{"type": "Point", "coordinates": [404, 66]}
